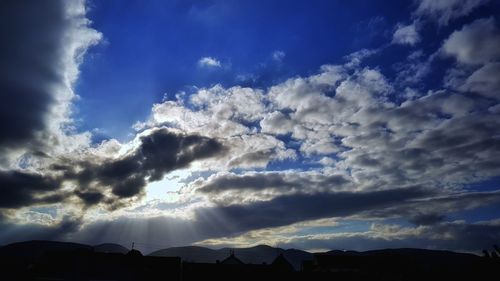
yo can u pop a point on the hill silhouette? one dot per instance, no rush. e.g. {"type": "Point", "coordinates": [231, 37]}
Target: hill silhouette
{"type": "Point", "coordinates": [411, 256]}
{"type": "Point", "coordinates": [52, 260]}
{"type": "Point", "coordinates": [36, 248]}
{"type": "Point", "coordinates": [252, 255]}
{"type": "Point", "coordinates": [110, 248]}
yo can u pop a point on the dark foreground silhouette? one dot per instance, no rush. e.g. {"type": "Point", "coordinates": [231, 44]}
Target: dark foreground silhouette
{"type": "Point", "coordinates": [45, 260]}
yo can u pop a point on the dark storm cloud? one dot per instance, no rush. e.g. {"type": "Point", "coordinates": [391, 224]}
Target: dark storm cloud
{"type": "Point", "coordinates": [19, 189]}
{"type": "Point", "coordinates": [31, 56]}
{"type": "Point", "coordinates": [90, 197]}
{"type": "Point", "coordinates": [288, 209]}
{"type": "Point", "coordinates": [160, 152]}
{"type": "Point", "coordinates": [427, 219]}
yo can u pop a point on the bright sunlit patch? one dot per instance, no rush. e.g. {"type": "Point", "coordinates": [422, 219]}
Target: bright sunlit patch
{"type": "Point", "coordinates": [166, 188]}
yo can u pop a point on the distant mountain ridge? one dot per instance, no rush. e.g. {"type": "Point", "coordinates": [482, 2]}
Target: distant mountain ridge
{"type": "Point", "coordinates": [36, 248]}
{"type": "Point", "coordinates": [110, 248]}
{"type": "Point", "coordinates": [252, 255]}
{"type": "Point", "coordinates": [255, 255]}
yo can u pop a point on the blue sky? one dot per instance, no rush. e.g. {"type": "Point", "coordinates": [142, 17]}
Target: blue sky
{"type": "Point", "coordinates": [150, 50]}
{"type": "Point", "coordinates": [308, 124]}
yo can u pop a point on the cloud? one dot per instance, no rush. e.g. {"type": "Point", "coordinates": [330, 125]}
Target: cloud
{"type": "Point", "coordinates": [285, 219]}
{"type": "Point", "coordinates": [444, 11]}
{"type": "Point", "coordinates": [24, 231]}
{"type": "Point", "coordinates": [484, 81]}
{"type": "Point", "coordinates": [276, 123]}
{"type": "Point", "coordinates": [230, 188]}
{"type": "Point", "coordinates": [457, 236]}
{"type": "Point", "coordinates": [113, 182]}
{"type": "Point", "coordinates": [22, 189]}
{"type": "Point", "coordinates": [39, 66]}
{"type": "Point", "coordinates": [427, 219]}
{"type": "Point", "coordinates": [385, 152]}
{"type": "Point", "coordinates": [354, 115]}
{"type": "Point", "coordinates": [288, 209]}
{"type": "Point", "coordinates": [226, 114]}
{"type": "Point", "coordinates": [209, 62]}
{"type": "Point", "coordinates": [406, 34]}
{"type": "Point", "coordinates": [476, 43]}
{"type": "Point", "coordinates": [278, 55]}
{"type": "Point", "coordinates": [160, 151]}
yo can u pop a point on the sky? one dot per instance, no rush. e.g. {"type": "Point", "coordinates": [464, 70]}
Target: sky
{"type": "Point", "coordinates": [315, 125]}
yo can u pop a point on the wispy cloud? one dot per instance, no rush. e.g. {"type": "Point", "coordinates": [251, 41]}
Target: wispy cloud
{"type": "Point", "coordinates": [278, 55]}
{"type": "Point", "coordinates": [406, 34]}
{"type": "Point", "coordinates": [209, 62]}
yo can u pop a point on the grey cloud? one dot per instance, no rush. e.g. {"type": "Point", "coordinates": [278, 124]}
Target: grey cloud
{"type": "Point", "coordinates": [435, 207]}
{"type": "Point", "coordinates": [288, 209]}
{"type": "Point", "coordinates": [456, 236]}
{"type": "Point", "coordinates": [255, 158]}
{"type": "Point", "coordinates": [484, 81]}
{"type": "Point", "coordinates": [219, 221]}
{"type": "Point", "coordinates": [30, 63]}
{"type": "Point", "coordinates": [159, 152]}
{"type": "Point", "coordinates": [230, 188]}
{"type": "Point", "coordinates": [15, 232]}
{"type": "Point", "coordinates": [90, 197]}
{"type": "Point", "coordinates": [443, 11]}
{"type": "Point", "coordinates": [19, 189]}
{"type": "Point", "coordinates": [230, 221]}
{"type": "Point", "coordinates": [427, 219]}
{"type": "Point", "coordinates": [108, 182]}
{"type": "Point", "coordinates": [435, 140]}
{"type": "Point", "coordinates": [40, 40]}
{"type": "Point", "coordinates": [475, 43]}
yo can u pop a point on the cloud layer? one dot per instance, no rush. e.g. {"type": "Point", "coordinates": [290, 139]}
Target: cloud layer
{"type": "Point", "coordinates": [351, 141]}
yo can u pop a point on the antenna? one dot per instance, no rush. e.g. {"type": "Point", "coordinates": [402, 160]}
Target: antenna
{"type": "Point", "coordinates": [133, 243]}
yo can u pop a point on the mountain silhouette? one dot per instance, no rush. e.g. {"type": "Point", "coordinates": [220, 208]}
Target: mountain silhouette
{"type": "Point", "coordinates": [437, 258]}
{"type": "Point", "coordinates": [110, 248]}
{"type": "Point", "coordinates": [51, 260]}
{"type": "Point", "coordinates": [253, 255]}
{"type": "Point", "coordinates": [36, 248]}
{"type": "Point", "coordinates": [191, 254]}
